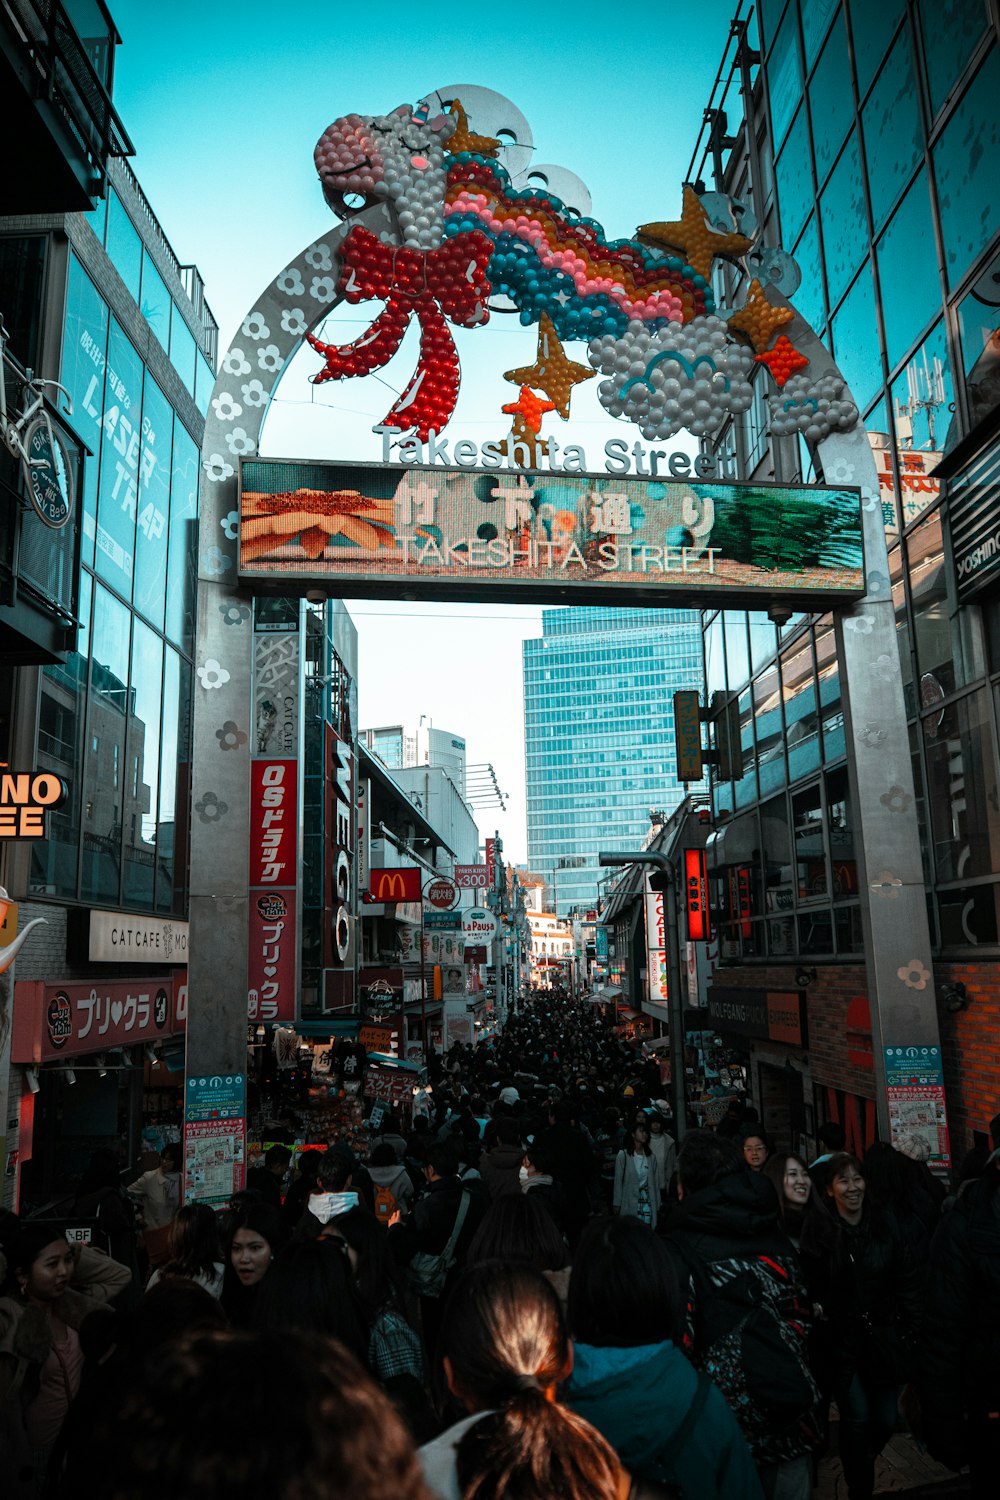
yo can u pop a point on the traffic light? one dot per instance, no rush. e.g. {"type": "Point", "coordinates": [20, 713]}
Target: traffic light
{"type": "Point", "coordinates": [725, 710]}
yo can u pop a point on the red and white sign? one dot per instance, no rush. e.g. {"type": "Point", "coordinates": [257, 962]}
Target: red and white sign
{"type": "Point", "coordinates": [472, 877]}
{"type": "Point", "coordinates": [491, 861]}
{"type": "Point", "coordinates": [696, 896]}
{"type": "Point", "coordinates": [441, 893]}
{"type": "Point", "coordinates": [271, 966]}
{"type": "Point", "coordinates": [273, 820]}
{"type": "Point", "coordinates": [65, 1020]}
{"type": "Point", "coordinates": [478, 925]}
{"type": "Point", "coordinates": [394, 883]}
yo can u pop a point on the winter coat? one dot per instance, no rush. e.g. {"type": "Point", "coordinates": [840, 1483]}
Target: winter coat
{"type": "Point", "coordinates": [638, 1399]}
{"type": "Point", "coordinates": [499, 1168]}
{"type": "Point", "coordinates": [959, 1347]}
{"type": "Point", "coordinates": [157, 1194]}
{"type": "Point", "coordinates": [626, 1186]}
{"type": "Point", "coordinates": [747, 1312]}
{"type": "Point", "coordinates": [870, 1287]}
{"type": "Point", "coordinates": [430, 1225]}
{"type": "Point", "coordinates": [397, 1180]}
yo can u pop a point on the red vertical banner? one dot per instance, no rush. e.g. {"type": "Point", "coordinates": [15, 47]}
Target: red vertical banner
{"type": "Point", "coordinates": [272, 926]}
{"type": "Point", "coordinates": [491, 862]}
{"type": "Point", "coordinates": [696, 896]}
{"type": "Point", "coordinates": [739, 897]}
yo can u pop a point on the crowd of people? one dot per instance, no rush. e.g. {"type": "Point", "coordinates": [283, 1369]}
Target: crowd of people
{"type": "Point", "coordinates": [532, 1293]}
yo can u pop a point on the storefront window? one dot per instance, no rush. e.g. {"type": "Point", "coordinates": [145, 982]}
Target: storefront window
{"type": "Point", "coordinates": [61, 727]}
{"type": "Point", "coordinates": [809, 834]}
{"type": "Point", "coordinates": [831, 707]}
{"type": "Point", "coordinates": [844, 219]}
{"type": "Point", "coordinates": [816, 931]}
{"type": "Point", "coordinates": [831, 102]}
{"type": "Point", "coordinates": [155, 302]}
{"type": "Point", "coordinates": [776, 844]}
{"type": "Point", "coordinates": [123, 244]}
{"type": "Point", "coordinates": [770, 731]}
{"type": "Point", "coordinates": [183, 543]}
{"type": "Point", "coordinates": [153, 505]}
{"type": "Point", "coordinates": [104, 773]}
{"type": "Point", "coordinates": [85, 345]}
{"type": "Point", "coordinates": [908, 272]}
{"type": "Point", "coordinates": [939, 671]}
{"type": "Point", "coordinates": [183, 349]}
{"type": "Point", "coordinates": [970, 917]}
{"type": "Point", "coordinates": [784, 74]}
{"type": "Point", "coordinates": [798, 686]}
{"type": "Point", "coordinates": [175, 782]}
{"type": "Point", "coordinates": [793, 174]}
{"type": "Point", "coordinates": [840, 823]}
{"type": "Point", "coordinates": [962, 788]}
{"type": "Point", "coordinates": [951, 30]}
{"type": "Point", "coordinates": [892, 114]}
{"type": "Point", "coordinates": [141, 804]}
{"type": "Point", "coordinates": [855, 339]}
{"type": "Point", "coordinates": [119, 470]}
{"type": "Point", "coordinates": [849, 932]}
{"type": "Point", "coordinates": [967, 169]}
{"type": "Point", "coordinates": [872, 27]}
{"type": "Point", "coordinates": [204, 383]}
{"type": "Point", "coordinates": [746, 786]}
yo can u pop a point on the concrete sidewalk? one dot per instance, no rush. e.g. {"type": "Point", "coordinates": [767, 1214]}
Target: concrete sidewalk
{"type": "Point", "coordinates": [901, 1469]}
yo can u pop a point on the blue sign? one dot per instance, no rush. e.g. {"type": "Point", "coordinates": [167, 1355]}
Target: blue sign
{"type": "Point", "coordinates": [913, 1066]}
{"type": "Point", "coordinates": [216, 1096]}
{"type": "Point", "coordinates": [443, 921]}
{"type": "Point", "coordinates": [601, 943]}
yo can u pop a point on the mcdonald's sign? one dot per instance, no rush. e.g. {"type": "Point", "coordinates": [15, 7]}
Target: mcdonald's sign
{"type": "Point", "coordinates": [394, 885]}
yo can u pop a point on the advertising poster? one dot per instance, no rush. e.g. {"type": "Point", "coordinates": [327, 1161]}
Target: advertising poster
{"type": "Point", "coordinates": [915, 1088]}
{"type": "Point", "coordinates": [213, 1160]}
{"type": "Point", "coordinates": [656, 951]}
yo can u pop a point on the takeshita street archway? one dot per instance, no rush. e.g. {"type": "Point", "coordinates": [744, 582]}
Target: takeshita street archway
{"type": "Point", "coordinates": [446, 221]}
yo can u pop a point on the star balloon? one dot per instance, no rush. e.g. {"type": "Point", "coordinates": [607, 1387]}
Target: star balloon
{"type": "Point", "coordinates": [463, 138]}
{"type": "Point", "coordinates": [757, 319]}
{"type": "Point", "coordinates": [552, 372]}
{"type": "Point", "coordinates": [694, 236]}
{"type": "Point", "coordinates": [529, 408]}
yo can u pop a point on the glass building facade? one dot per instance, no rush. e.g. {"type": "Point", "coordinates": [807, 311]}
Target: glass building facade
{"type": "Point", "coordinates": [599, 737]}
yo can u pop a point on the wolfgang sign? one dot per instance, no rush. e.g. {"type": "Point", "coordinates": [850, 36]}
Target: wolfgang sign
{"type": "Point", "coordinates": [373, 529]}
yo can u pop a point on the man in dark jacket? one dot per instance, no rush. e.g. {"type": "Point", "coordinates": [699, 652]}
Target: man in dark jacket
{"type": "Point", "coordinates": [959, 1376]}
{"type": "Point", "coordinates": [432, 1222]}
{"type": "Point", "coordinates": [499, 1166]}
{"type": "Point", "coordinates": [745, 1307]}
{"type": "Point", "coordinates": [572, 1165]}
{"type": "Point", "coordinates": [266, 1180]}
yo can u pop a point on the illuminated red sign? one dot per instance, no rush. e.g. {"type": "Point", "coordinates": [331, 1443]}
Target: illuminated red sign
{"type": "Point", "coordinates": [696, 896]}
{"type": "Point", "coordinates": [395, 884]}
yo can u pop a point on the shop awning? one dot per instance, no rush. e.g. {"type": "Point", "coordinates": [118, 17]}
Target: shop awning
{"type": "Point", "coordinates": [344, 1027]}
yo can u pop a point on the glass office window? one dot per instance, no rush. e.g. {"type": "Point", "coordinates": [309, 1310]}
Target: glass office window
{"type": "Point", "coordinates": [776, 844]}
{"type": "Point", "coordinates": [844, 220]}
{"type": "Point", "coordinates": [770, 12]}
{"type": "Point", "coordinates": [61, 731]}
{"type": "Point", "coordinates": [830, 705]}
{"type": "Point", "coordinates": [908, 272]}
{"type": "Point", "coordinates": [798, 686]}
{"type": "Point", "coordinates": [183, 349]}
{"type": "Point", "coordinates": [922, 397]}
{"type": "Point", "coordinates": [155, 300]}
{"type": "Point", "coordinates": [831, 102]}
{"type": "Point", "coordinates": [872, 27]}
{"type": "Point", "coordinates": [85, 346]}
{"type": "Point", "coordinates": [967, 169]}
{"type": "Point", "coordinates": [840, 823]}
{"type": "Point", "coordinates": [153, 503]}
{"type": "Point", "coordinates": [809, 297]}
{"type": "Point", "coordinates": [763, 639]}
{"type": "Point", "coordinates": [815, 19]}
{"type": "Point", "coordinates": [746, 785]}
{"type": "Point", "coordinates": [809, 833]}
{"type": "Point", "coordinates": [97, 218]}
{"type": "Point", "coordinates": [969, 917]}
{"type": "Point", "coordinates": [951, 30]}
{"type": "Point", "coordinates": [962, 788]}
{"type": "Point", "coordinates": [175, 781]}
{"type": "Point", "coordinates": [793, 176]}
{"type": "Point", "coordinates": [770, 731]}
{"type": "Point", "coordinates": [737, 649]}
{"type": "Point", "coordinates": [784, 73]}
{"type": "Point", "coordinates": [892, 114]}
{"type": "Point", "coordinates": [855, 339]}
{"type": "Point", "coordinates": [104, 772]}
{"type": "Point", "coordinates": [119, 469]}
{"type": "Point", "coordinates": [204, 383]}
{"type": "Point", "coordinates": [123, 244]}
{"type": "Point", "coordinates": [937, 664]}
{"type": "Point", "coordinates": [183, 542]}
{"type": "Point", "coordinates": [979, 317]}
{"type": "Point", "coordinates": [715, 655]}
{"type": "Point", "coordinates": [902, 627]}
{"type": "Point", "coordinates": [142, 768]}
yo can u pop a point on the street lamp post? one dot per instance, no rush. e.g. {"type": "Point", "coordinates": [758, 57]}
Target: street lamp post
{"type": "Point", "coordinates": [666, 868]}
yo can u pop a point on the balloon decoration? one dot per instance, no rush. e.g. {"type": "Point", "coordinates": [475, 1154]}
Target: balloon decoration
{"type": "Point", "coordinates": [643, 306]}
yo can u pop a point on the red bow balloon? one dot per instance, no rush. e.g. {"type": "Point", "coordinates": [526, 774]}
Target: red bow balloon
{"type": "Point", "coordinates": [449, 282]}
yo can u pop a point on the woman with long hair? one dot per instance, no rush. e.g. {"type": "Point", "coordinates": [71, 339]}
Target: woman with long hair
{"type": "Point", "coordinates": [504, 1350]}
{"type": "Point", "coordinates": [631, 1379]}
{"type": "Point", "coordinates": [521, 1231]}
{"type": "Point", "coordinates": [795, 1191]}
{"type": "Point", "coordinates": [394, 1348]}
{"type": "Point", "coordinates": [310, 1287]}
{"type": "Point", "coordinates": [256, 1233]}
{"type": "Point", "coordinates": [195, 1250]}
{"type": "Point", "coordinates": [637, 1186]}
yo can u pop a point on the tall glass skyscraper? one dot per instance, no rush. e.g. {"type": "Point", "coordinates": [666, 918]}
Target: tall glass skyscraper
{"type": "Point", "coordinates": [599, 735]}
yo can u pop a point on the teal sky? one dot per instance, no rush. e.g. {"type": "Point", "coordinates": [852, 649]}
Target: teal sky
{"type": "Point", "coordinates": [224, 104]}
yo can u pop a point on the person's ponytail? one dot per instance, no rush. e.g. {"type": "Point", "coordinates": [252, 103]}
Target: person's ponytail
{"type": "Point", "coordinates": [534, 1447]}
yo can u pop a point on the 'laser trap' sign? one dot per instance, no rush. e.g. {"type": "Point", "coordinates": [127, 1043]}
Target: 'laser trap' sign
{"type": "Point", "coordinates": [437, 533]}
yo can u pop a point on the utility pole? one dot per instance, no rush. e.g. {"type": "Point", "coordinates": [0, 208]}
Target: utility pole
{"type": "Point", "coordinates": [665, 879]}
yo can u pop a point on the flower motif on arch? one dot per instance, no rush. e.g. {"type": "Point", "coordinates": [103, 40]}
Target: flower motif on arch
{"type": "Point", "coordinates": [231, 525]}
{"type": "Point", "coordinates": [236, 362]}
{"type": "Point", "coordinates": [254, 393]}
{"type": "Point", "coordinates": [217, 468]}
{"type": "Point", "coordinates": [322, 288]}
{"type": "Point", "coordinates": [877, 583]}
{"type": "Point", "coordinates": [290, 282]}
{"type": "Point", "coordinates": [210, 808]}
{"type": "Point", "coordinates": [860, 624]}
{"type": "Point", "coordinates": [871, 736]}
{"type": "Point", "coordinates": [212, 673]}
{"type": "Point", "coordinates": [870, 499]}
{"type": "Point", "coordinates": [240, 442]}
{"type": "Point", "coordinates": [839, 472]}
{"type": "Point", "coordinates": [254, 327]}
{"type": "Point", "coordinates": [886, 667]}
{"type": "Point", "coordinates": [216, 562]}
{"type": "Point", "coordinates": [895, 800]}
{"type": "Point", "coordinates": [234, 614]}
{"type": "Point", "coordinates": [225, 407]}
{"type": "Point", "coordinates": [270, 358]}
{"type": "Point", "coordinates": [887, 884]}
{"type": "Point", "coordinates": [914, 975]}
{"type": "Point", "coordinates": [230, 736]}
{"type": "Point", "coordinates": [319, 257]}
{"type": "Point", "coordinates": [293, 320]}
